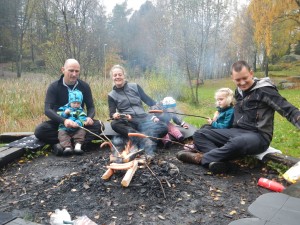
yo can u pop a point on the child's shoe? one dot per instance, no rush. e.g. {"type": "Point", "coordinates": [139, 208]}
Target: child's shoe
{"type": "Point", "coordinates": [167, 141]}
{"type": "Point", "coordinates": [78, 149]}
{"type": "Point", "coordinates": [68, 151]}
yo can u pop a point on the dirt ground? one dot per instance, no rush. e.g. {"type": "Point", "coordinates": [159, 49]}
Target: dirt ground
{"type": "Point", "coordinates": [186, 193]}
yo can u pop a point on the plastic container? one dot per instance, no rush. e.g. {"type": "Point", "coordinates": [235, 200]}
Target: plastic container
{"type": "Point", "coordinates": [270, 184]}
{"type": "Point", "coordinates": [293, 174]}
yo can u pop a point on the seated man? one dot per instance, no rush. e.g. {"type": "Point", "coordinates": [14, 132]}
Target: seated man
{"type": "Point", "coordinates": [58, 95]}
{"type": "Point", "coordinates": [252, 131]}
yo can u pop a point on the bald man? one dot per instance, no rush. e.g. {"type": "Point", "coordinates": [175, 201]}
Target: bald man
{"type": "Point", "coordinates": [57, 96]}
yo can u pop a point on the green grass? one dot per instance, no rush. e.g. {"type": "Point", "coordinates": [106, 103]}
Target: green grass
{"type": "Point", "coordinates": [22, 103]}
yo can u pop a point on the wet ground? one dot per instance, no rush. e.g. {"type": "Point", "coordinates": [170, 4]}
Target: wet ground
{"type": "Point", "coordinates": [168, 192]}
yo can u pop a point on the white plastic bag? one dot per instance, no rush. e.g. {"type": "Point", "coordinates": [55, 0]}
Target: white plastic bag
{"type": "Point", "coordinates": [59, 216]}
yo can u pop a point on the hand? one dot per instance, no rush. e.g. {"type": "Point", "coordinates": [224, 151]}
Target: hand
{"type": "Point", "coordinates": [116, 116]}
{"type": "Point", "coordinates": [128, 117]}
{"type": "Point", "coordinates": [89, 121]}
{"type": "Point", "coordinates": [155, 120]}
{"type": "Point", "coordinates": [209, 120]}
{"type": "Point", "coordinates": [70, 124]}
{"type": "Point", "coordinates": [67, 111]}
{"type": "Point", "coordinates": [185, 126]}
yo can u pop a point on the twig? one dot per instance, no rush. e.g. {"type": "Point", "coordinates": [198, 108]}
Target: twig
{"type": "Point", "coordinates": [107, 139]}
{"type": "Point", "coordinates": [162, 111]}
{"type": "Point", "coordinates": [162, 188]}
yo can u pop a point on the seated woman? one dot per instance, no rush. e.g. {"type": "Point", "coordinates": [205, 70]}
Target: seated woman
{"type": "Point", "coordinates": [129, 116]}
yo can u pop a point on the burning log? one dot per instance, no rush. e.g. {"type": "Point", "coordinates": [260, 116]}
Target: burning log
{"type": "Point", "coordinates": [129, 174]}
{"type": "Point", "coordinates": [107, 174]}
{"type": "Point", "coordinates": [123, 161]}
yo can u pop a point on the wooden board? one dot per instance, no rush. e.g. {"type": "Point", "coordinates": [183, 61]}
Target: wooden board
{"type": "Point", "coordinates": [12, 136]}
{"type": "Point", "coordinates": [7, 155]}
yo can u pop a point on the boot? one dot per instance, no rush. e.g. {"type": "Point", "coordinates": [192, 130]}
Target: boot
{"type": "Point", "coordinates": [189, 157]}
{"type": "Point", "coordinates": [68, 151]}
{"type": "Point", "coordinates": [218, 167]}
{"type": "Point", "coordinates": [57, 150]}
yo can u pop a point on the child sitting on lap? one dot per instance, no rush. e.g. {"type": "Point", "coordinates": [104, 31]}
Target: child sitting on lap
{"type": "Point", "coordinates": [72, 111]}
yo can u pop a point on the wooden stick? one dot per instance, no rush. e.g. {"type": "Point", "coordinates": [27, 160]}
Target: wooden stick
{"type": "Point", "coordinates": [107, 139]}
{"type": "Point", "coordinates": [129, 174]}
{"type": "Point", "coordinates": [107, 174]}
{"type": "Point", "coordinates": [161, 111]}
{"type": "Point", "coordinates": [121, 166]}
{"type": "Point", "coordinates": [162, 188]}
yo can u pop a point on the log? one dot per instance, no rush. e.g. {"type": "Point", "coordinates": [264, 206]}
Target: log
{"type": "Point", "coordinates": [280, 158]}
{"type": "Point", "coordinates": [129, 174]}
{"type": "Point", "coordinates": [107, 174]}
{"type": "Point", "coordinates": [121, 166]}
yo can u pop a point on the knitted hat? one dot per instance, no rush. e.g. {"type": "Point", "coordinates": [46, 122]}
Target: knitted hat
{"type": "Point", "coordinates": [168, 102]}
{"type": "Point", "coordinates": [75, 96]}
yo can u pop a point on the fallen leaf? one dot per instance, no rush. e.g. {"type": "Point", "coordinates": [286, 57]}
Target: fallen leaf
{"type": "Point", "coordinates": [161, 217]}
{"type": "Point", "coordinates": [232, 212]}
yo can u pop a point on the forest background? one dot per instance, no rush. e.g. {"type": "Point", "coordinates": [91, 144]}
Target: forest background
{"type": "Point", "coordinates": [179, 48]}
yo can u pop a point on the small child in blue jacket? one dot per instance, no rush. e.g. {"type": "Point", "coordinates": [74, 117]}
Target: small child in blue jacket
{"type": "Point", "coordinates": [223, 117]}
{"type": "Point", "coordinates": [72, 111]}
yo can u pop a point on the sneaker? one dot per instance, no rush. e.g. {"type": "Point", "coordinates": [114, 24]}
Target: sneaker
{"type": "Point", "coordinates": [218, 167]}
{"type": "Point", "coordinates": [57, 150]}
{"type": "Point", "coordinates": [181, 139]}
{"type": "Point", "coordinates": [68, 151]}
{"type": "Point", "coordinates": [189, 157]}
{"type": "Point", "coordinates": [78, 150]}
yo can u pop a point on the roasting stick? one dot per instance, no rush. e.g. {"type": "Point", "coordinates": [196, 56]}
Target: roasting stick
{"type": "Point", "coordinates": [161, 111]}
{"type": "Point", "coordinates": [153, 174]}
{"type": "Point", "coordinates": [145, 136]}
{"type": "Point", "coordinates": [107, 139]}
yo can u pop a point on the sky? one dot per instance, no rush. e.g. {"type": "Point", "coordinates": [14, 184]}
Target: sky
{"type": "Point", "coordinates": [134, 4]}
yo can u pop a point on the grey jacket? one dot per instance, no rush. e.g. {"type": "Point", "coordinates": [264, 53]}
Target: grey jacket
{"type": "Point", "coordinates": [128, 100]}
{"type": "Point", "coordinates": [255, 108]}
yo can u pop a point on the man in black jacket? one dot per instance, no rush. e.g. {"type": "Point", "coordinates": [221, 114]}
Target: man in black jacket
{"type": "Point", "coordinates": [57, 96]}
{"type": "Point", "coordinates": [252, 131]}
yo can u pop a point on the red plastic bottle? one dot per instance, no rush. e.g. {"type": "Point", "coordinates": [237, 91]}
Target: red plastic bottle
{"type": "Point", "coordinates": [271, 185]}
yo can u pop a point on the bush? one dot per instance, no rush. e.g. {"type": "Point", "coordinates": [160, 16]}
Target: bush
{"type": "Point", "coordinates": [288, 58]}
{"type": "Point", "coordinates": [297, 48]}
{"type": "Point", "coordinates": [276, 68]}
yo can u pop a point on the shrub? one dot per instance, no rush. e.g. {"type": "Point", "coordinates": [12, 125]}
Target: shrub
{"type": "Point", "coordinates": [288, 58]}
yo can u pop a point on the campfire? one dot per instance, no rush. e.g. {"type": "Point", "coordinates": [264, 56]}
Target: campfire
{"type": "Point", "coordinates": [125, 160]}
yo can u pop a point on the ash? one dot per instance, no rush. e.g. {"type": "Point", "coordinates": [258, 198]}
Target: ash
{"type": "Point", "coordinates": [175, 193]}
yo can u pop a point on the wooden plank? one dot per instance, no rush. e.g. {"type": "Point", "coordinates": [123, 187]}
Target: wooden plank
{"type": "Point", "coordinates": [12, 136]}
{"type": "Point", "coordinates": [10, 154]}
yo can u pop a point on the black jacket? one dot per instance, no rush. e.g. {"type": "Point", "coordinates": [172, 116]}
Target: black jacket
{"type": "Point", "coordinates": [57, 95]}
{"type": "Point", "coordinates": [255, 108]}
